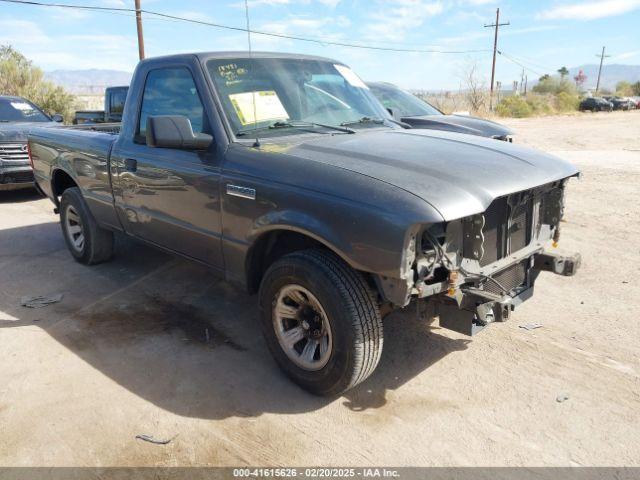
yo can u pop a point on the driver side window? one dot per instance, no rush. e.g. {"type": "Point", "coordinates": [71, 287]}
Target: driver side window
{"type": "Point", "coordinates": [171, 91]}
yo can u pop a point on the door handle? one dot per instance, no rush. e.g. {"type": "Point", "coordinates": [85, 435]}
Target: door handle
{"type": "Point", "coordinates": [130, 165]}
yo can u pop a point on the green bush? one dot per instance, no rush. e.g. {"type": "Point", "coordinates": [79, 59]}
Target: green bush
{"type": "Point", "coordinates": [624, 89]}
{"type": "Point", "coordinates": [555, 86]}
{"type": "Point", "coordinates": [19, 77]}
{"type": "Point", "coordinates": [537, 104]}
{"type": "Point", "coordinates": [540, 104]}
{"type": "Point", "coordinates": [565, 102]}
{"type": "Point", "coordinates": [514, 106]}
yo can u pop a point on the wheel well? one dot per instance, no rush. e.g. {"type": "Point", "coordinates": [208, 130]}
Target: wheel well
{"type": "Point", "coordinates": [269, 248]}
{"type": "Point", "coordinates": [275, 244]}
{"type": "Point", "coordinates": [60, 181]}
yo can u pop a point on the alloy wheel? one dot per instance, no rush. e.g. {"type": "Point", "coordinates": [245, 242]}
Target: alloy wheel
{"type": "Point", "coordinates": [302, 327]}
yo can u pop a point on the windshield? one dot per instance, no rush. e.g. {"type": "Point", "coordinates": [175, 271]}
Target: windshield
{"type": "Point", "coordinates": [404, 103]}
{"type": "Point", "coordinates": [297, 94]}
{"type": "Point", "coordinates": [20, 110]}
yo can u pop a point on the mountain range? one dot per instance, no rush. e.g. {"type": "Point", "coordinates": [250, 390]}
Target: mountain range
{"type": "Point", "coordinates": [88, 82]}
{"type": "Point", "coordinates": [94, 81]}
{"type": "Point", "coordinates": [611, 75]}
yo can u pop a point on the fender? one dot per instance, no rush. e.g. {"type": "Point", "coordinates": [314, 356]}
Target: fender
{"type": "Point", "coordinates": [300, 222]}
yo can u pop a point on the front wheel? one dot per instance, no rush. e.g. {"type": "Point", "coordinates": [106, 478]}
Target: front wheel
{"type": "Point", "coordinates": [321, 321]}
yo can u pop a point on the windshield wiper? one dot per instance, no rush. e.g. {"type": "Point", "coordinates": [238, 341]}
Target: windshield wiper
{"type": "Point", "coordinates": [363, 120]}
{"type": "Point", "coordinates": [284, 124]}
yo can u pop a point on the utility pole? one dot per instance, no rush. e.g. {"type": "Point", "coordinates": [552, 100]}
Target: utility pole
{"type": "Point", "coordinates": [602, 57]}
{"type": "Point", "coordinates": [139, 26]}
{"type": "Point", "coordinates": [496, 25]}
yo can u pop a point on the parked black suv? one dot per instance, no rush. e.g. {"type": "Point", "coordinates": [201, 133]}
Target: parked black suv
{"type": "Point", "coordinates": [17, 115]}
{"type": "Point", "coordinates": [595, 104]}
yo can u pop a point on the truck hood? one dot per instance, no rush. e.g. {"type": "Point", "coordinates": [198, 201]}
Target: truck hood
{"type": "Point", "coordinates": [17, 132]}
{"type": "Point", "coordinates": [460, 124]}
{"type": "Point", "coordinates": [459, 175]}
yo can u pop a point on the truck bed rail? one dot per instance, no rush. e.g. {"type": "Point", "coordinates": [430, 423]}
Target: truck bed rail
{"type": "Point", "coordinates": [110, 128]}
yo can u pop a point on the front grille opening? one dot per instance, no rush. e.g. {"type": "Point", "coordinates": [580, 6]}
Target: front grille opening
{"type": "Point", "coordinates": [494, 231]}
{"type": "Point", "coordinates": [507, 228]}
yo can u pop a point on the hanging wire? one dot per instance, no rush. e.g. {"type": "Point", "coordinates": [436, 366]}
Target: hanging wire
{"type": "Point", "coordinates": [320, 41]}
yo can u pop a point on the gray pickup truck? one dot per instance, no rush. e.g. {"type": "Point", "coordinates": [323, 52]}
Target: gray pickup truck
{"type": "Point", "coordinates": [282, 172]}
{"type": "Point", "coordinates": [114, 98]}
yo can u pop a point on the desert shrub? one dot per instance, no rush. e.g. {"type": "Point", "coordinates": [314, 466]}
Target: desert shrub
{"type": "Point", "coordinates": [624, 89]}
{"type": "Point", "coordinates": [541, 104]}
{"type": "Point", "coordinates": [19, 77]}
{"type": "Point", "coordinates": [565, 102]}
{"type": "Point", "coordinates": [555, 85]}
{"type": "Point", "coordinates": [514, 106]}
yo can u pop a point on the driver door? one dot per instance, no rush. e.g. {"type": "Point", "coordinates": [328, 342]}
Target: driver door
{"type": "Point", "coordinates": [166, 196]}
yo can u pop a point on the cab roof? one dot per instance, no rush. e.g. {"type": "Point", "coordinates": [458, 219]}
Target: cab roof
{"type": "Point", "coordinates": [243, 54]}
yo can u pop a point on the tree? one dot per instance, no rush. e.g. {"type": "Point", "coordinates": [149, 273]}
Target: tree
{"type": "Point", "coordinates": [580, 78]}
{"type": "Point", "coordinates": [18, 76]}
{"type": "Point", "coordinates": [475, 90]}
{"type": "Point", "coordinates": [563, 72]}
{"type": "Point", "coordinates": [624, 89]}
{"type": "Point", "coordinates": [544, 77]}
{"type": "Point", "coordinates": [554, 85]}
{"type": "Point", "coordinates": [636, 88]}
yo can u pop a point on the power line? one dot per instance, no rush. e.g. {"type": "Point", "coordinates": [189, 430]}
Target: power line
{"type": "Point", "coordinates": [529, 61]}
{"type": "Point", "coordinates": [320, 41]}
{"type": "Point", "coordinates": [511, 59]}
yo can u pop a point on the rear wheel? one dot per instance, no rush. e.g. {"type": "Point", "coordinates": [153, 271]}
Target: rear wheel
{"type": "Point", "coordinates": [87, 242]}
{"type": "Point", "coordinates": [321, 321]}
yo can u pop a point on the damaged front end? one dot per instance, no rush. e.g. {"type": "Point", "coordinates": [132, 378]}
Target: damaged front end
{"type": "Point", "coordinates": [477, 269]}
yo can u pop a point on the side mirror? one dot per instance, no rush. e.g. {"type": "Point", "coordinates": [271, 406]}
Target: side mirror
{"type": "Point", "coordinates": [174, 131]}
{"type": "Point", "coordinates": [394, 114]}
{"type": "Point", "coordinates": [57, 118]}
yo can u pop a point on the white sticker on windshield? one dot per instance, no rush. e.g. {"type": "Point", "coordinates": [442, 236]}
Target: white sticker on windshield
{"type": "Point", "coordinates": [267, 106]}
{"type": "Point", "coordinates": [25, 107]}
{"type": "Point", "coordinates": [350, 76]}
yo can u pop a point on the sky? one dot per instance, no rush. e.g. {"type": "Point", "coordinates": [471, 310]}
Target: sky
{"type": "Point", "coordinates": [543, 35]}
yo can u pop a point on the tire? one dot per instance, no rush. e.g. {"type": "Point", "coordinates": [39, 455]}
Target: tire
{"type": "Point", "coordinates": [88, 243]}
{"type": "Point", "coordinates": [347, 321]}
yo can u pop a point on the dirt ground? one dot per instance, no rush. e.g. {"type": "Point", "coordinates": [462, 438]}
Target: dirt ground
{"type": "Point", "coordinates": [125, 352]}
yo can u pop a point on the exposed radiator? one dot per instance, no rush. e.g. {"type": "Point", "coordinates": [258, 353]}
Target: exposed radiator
{"type": "Point", "coordinates": [510, 278]}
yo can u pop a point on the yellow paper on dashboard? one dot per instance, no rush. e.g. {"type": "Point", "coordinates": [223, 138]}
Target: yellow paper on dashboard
{"type": "Point", "coordinates": [267, 106]}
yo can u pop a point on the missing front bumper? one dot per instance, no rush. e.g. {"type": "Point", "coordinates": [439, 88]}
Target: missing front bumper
{"type": "Point", "coordinates": [473, 308]}
{"type": "Point", "coordinates": [478, 309]}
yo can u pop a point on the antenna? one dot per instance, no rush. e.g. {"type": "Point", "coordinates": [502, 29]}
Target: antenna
{"type": "Point", "coordinates": [253, 93]}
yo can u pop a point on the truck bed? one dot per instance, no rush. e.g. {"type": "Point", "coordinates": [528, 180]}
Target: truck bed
{"type": "Point", "coordinates": [81, 152]}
